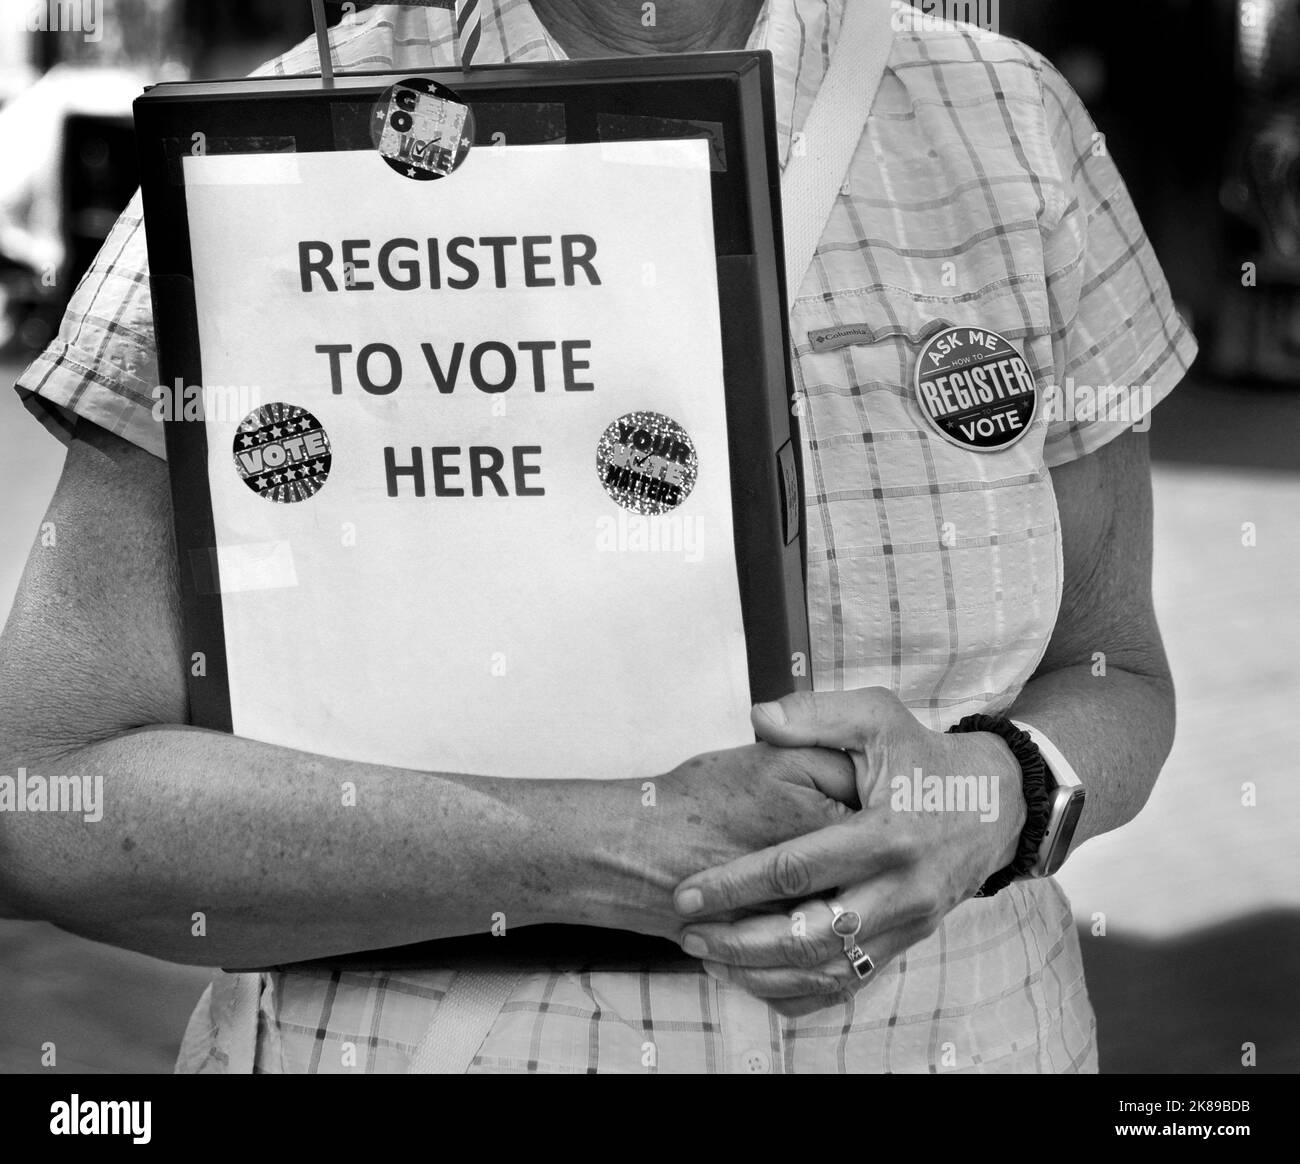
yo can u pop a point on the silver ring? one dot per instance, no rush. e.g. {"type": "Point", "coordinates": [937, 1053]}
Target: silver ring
{"type": "Point", "coordinates": [846, 924]}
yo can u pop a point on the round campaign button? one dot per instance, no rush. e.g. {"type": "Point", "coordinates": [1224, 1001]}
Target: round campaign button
{"type": "Point", "coordinates": [975, 389]}
{"type": "Point", "coordinates": [647, 463]}
{"type": "Point", "coordinates": [282, 453]}
{"type": "Point", "coordinates": [422, 129]}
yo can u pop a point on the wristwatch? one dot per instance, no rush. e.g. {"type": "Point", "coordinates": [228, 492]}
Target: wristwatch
{"type": "Point", "coordinates": [1067, 796]}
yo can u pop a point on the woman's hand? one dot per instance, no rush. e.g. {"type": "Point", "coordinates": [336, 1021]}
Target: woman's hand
{"type": "Point", "coordinates": [646, 836]}
{"type": "Point", "coordinates": [939, 814]}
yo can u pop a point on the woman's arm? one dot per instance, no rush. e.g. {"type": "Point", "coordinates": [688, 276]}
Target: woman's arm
{"type": "Point", "coordinates": [287, 855]}
{"type": "Point", "coordinates": [1103, 693]}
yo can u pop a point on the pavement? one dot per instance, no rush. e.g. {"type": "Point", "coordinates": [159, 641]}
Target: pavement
{"type": "Point", "coordinates": [1189, 917]}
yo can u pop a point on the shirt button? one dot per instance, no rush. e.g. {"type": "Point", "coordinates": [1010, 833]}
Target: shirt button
{"type": "Point", "coordinates": [756, 1062]}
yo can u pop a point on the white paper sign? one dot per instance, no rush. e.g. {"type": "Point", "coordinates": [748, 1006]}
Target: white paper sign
{"type": "Point", "coordinates": [480, 334]}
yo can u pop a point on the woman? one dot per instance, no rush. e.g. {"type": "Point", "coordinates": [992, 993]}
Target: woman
{"type": "Point", "coordinates": [949, 574]}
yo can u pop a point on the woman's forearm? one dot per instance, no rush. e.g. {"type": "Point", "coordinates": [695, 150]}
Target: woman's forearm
{"type": "Point", "coordinates": [1115, 729]}
{"type": "Point", "coordinates": [1103, 693]}
{"type": "Point", "coordinates": [206, 848]}
{"type": "Point", "coordinates": [217, 850]}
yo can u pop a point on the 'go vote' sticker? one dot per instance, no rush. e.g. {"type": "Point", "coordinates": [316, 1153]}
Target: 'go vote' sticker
{"type": "Point", "coordinates": [282, 453]}
{"type": "Point", "coordinates": [647, 463]}
{"type": "Point", "coordinates": [422, 129]}
{"type": "Point", "coordinates": [975, 389]}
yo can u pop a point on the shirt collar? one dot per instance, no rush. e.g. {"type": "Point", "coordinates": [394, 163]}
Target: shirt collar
{"type": "Point", "coordinates": [800, 34]}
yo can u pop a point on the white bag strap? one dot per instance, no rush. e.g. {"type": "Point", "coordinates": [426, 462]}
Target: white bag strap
{"type": "Point", "coordinates": [463, 1021]}
{"type": "Point", "coordinates": [813, 178]}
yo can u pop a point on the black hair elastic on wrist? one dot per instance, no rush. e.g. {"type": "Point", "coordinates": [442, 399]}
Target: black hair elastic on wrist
{"type": "Point", "coordinates": [1038, 801]}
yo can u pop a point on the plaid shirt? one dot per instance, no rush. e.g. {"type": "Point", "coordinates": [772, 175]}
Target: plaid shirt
{"type": "Point", "coordinates": [981, 194]}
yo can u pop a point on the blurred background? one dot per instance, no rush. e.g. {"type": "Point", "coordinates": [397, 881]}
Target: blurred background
{"type": "Point", "coordinates": [1189, 918]}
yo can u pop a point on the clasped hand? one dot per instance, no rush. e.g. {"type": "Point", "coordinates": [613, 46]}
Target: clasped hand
{"type": "Point", "coordinates": [913, 848]}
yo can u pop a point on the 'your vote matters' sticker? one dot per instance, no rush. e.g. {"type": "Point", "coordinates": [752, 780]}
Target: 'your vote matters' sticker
{"type": "Point", "coordinates": [282, 453]}
{"type": "Point", "coordinates": [647, 463]}
{"type": "Point", "coordinates": [975, 389]}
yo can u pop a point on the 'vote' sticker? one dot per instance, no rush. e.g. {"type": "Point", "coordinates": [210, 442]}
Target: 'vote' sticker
{"type": "Point", "coordinates": [282, 452]}
{"type": "Point", "coordinates": [975, 389]}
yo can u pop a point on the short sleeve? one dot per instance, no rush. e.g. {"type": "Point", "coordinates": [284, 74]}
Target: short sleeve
{"type": "Point", "coordinates": [103, 365]}
{"type": "Point", "coordinates": [1119, 344]}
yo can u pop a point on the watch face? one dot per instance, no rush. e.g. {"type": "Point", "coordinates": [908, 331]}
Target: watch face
{"type": "Point", "coordinates": [1067, 807]}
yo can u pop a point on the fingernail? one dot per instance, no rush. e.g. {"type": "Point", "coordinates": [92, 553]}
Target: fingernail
{"type": "Point", "coordinates": [695, 946]}
{"type": "Point", "coordinates": [690, 901]}
{"type": "Point", "coordinates": [775, 712]}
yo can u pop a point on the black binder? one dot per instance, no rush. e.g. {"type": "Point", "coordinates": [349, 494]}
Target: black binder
{"type": "Point", "coordinates": [726, 98]}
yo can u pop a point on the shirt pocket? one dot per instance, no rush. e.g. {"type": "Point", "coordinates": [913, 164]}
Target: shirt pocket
{"type": "Point", "coordinates": [939, 564]}
{"type": "Point", "coordinates": [863, 348]}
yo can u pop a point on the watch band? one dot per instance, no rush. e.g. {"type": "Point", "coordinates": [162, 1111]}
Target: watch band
{"type": "Point", "coordinates": [1036, 784]}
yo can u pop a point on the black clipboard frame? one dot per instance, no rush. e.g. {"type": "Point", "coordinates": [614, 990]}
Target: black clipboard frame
{"type": "Point", "coordinates": [297, 114]}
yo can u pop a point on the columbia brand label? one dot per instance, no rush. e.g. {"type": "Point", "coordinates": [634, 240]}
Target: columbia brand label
{"type": "Point", "coordinates": [847, 335]}
{"type": "Point", "coordinates": [831, 339]}
{"type": "Point", "coordinates": [282, 453]}
{"type": "Point", "coordinates": [422, 129]}
{"type": "Point", "coordinates": [647, 463]}
{"type": "Point", "coordinates": [975, 389]}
